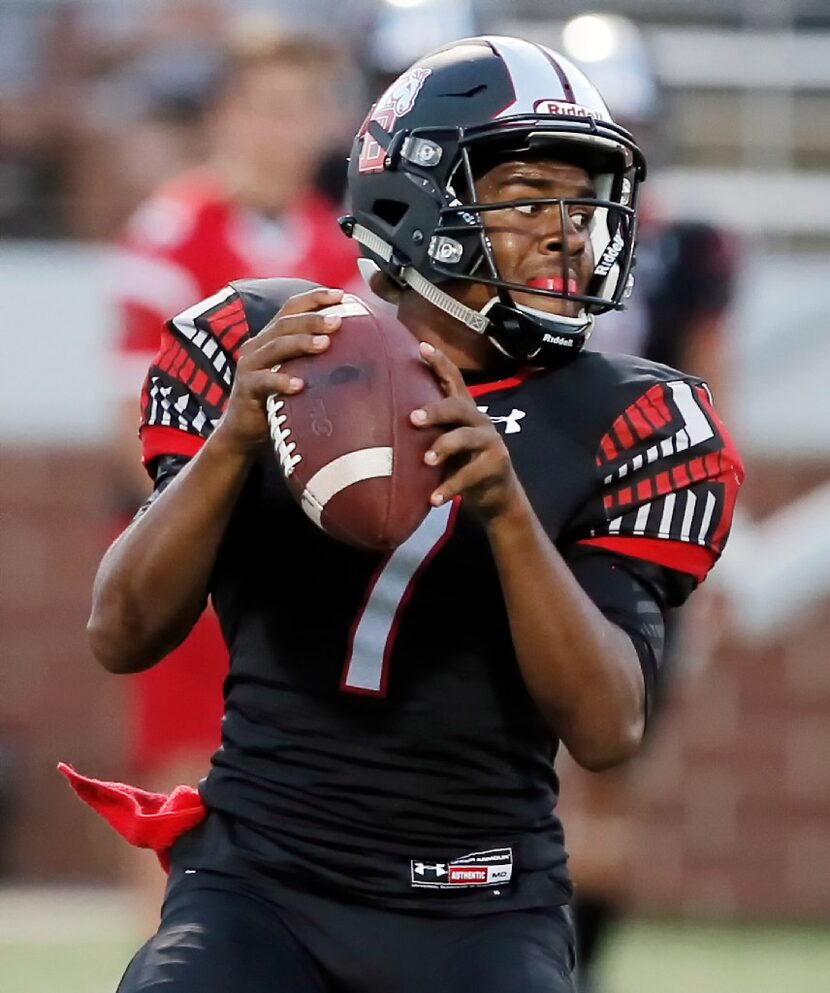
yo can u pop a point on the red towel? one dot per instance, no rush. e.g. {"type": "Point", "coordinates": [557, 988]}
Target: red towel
{"type": "Point", "coordinates": [146, 820]}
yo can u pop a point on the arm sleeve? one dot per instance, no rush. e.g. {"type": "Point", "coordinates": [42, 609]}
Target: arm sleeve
{"type": "Point", "coordinates": [666, 478]}
{"type": "Point", "coordinates": [189, 381]}
{"type": "Point", "coordinates": [633, 595]}
{"type": "Point", "coordinates": [165, 469]}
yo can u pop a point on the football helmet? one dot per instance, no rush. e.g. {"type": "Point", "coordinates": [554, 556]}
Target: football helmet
{"type": "Point", "coordinates": [412, 191]}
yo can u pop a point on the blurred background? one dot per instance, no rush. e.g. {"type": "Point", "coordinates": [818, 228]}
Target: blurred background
{"type": "Point", "coordinates": [135, 149]}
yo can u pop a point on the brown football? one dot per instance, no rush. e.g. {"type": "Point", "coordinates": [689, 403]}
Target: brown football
{"type": "Point", "coordinates": [348, 450]}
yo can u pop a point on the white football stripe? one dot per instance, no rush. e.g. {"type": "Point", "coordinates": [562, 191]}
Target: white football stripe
{"type": "Point", "coordinates": [350, 306]}
{"type": "Point", "coordinates": [353, 467]}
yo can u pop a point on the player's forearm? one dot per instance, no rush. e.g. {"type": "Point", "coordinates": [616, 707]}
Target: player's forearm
{"type": "Point", "coordinates": [152, 583]}
{"type": "Point", "coordinates": [582, 670]}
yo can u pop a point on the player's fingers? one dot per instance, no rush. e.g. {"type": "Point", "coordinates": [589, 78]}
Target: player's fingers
{"type": "Point", "coordinates": [461, 441]}
{"type": "Point", "coordinates": [451, 410]}
{"type": "Point", "coordinates": [310, 300]}
{"type": "Point", "coordinates": [302, 306]}
{"type": "Point", "coordinates": [473, 473]}
{"type": "Point", "coordinates": [265, 383]}
{"type": "Point", "coordinates": [283, 348]}
{"type": "Point", "coordinates": [306, 323]}
{"type": "Point", "coordinates": [447, 372]}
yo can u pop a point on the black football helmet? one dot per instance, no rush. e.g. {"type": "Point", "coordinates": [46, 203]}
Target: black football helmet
{"type": "Point", "coordinates": [412, 192]}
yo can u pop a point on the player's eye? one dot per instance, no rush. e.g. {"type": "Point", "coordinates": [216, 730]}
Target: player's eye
{"type": "Point", "coordinates": [529, 208]}
{"type": "Point", "coordinates": [581, 218]}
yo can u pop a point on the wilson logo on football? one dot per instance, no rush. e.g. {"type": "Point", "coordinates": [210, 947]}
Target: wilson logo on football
{"type": "Point", "coordinates": [397, 101]}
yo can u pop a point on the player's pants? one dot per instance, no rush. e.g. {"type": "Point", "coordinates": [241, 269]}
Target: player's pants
{"type": "Point", "coordinates": [218, 936]}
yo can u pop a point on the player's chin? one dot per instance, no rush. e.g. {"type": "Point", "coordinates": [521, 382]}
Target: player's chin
{"type": "Point", "coordinates": [548, 305]}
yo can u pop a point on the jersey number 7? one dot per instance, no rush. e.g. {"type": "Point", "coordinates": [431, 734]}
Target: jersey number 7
{"type": "Point", "coordinates": [375, 627]}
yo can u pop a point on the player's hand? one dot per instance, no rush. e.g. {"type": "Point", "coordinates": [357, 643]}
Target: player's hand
{"type": "Point", "coordinates": [296, 329]}
{"type": "Point", "coordinates": [476, 462]}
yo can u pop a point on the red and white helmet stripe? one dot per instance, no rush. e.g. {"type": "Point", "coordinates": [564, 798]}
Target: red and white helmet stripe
{"type": "Point", "coordinates": [545, 82]}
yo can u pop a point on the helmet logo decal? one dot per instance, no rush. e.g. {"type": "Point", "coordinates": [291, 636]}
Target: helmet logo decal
{"type": "Point", "coordinates": [397, 101]}
{"type": "Point", "coordinates": [401, 95]}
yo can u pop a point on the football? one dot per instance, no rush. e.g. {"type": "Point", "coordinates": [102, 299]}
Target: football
{"type": "Point", "coordinates": [347, 448]}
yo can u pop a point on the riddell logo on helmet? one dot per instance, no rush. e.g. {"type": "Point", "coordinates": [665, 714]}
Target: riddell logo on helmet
{"type": "Point", "coordinates": [610, 255]}
{"type": "Point", "coordinates": [563, 109]}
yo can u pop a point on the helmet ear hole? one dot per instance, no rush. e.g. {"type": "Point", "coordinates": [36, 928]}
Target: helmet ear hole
{"type": "Point", "coordinates": [390, 211]}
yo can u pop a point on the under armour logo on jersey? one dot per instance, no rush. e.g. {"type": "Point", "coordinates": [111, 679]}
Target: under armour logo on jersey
{"type": "Point", "coordinates": [510, 421]}
{"type": "Point", "coordinates": [436, 869]}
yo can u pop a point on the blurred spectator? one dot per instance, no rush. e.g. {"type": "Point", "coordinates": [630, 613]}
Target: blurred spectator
{"type": "Point", "coordinates": [82, 85]}
{"type": "Point", "coordinates": [250, 210]}
{"type": "Point", "coordinates": [40, 71]}
{"type": "Point", "coordinates": [149, 67]}
{"type": "Point", "coordinates": [678, 314]}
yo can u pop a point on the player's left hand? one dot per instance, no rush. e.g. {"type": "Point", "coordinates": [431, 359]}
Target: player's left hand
{"type": "Point", "coordinates": [476, 462]}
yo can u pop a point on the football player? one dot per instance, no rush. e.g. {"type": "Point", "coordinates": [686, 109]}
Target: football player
{"type": "Point", "coordinates": [381, 814]}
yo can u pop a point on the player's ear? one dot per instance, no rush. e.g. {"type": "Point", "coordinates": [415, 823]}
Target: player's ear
{"type": "Point", "coordinates": [382, 286]}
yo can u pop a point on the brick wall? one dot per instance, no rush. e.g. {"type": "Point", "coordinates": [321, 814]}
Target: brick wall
{"type": "Point", "coordinates": [55, 703]}
{"type": "Point", "coordinates": [730, 807]}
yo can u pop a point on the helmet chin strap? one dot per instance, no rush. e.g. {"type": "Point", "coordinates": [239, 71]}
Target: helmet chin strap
{"type": "Point", "coordinates": [556, 325]}
{"type": "Point", "coordinates": [473, 319]}
{"type": "Point", "coordinates": [552, 323]}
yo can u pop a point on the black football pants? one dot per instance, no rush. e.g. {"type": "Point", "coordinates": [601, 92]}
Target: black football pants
{"type": "Point", "coordinates": [218, 935]}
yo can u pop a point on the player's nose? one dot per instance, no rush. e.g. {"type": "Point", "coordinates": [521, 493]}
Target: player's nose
{"type": "Point", "coordinates": [558, 232]}
{"type": "Point", "coordinates": [571, 244]}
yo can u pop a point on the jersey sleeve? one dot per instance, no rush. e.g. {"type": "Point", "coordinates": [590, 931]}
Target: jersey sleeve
{"type": "Point", "coordinates": [189, 380]}
{"type": "Point", "coordinates": [666, 478]}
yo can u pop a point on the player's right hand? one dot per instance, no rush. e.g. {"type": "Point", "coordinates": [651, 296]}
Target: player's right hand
{"type": "Point", "coordinates": [296, 329]}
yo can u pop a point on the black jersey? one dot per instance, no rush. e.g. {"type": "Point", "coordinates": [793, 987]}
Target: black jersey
{"type": "Point", "coordinates": [378, 736]}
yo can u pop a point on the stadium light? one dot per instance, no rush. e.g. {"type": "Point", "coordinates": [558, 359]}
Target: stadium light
{"type": "Point", "coordinates": [404, 3]}
{"type": "Point", "coordinates": [590, 37]}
